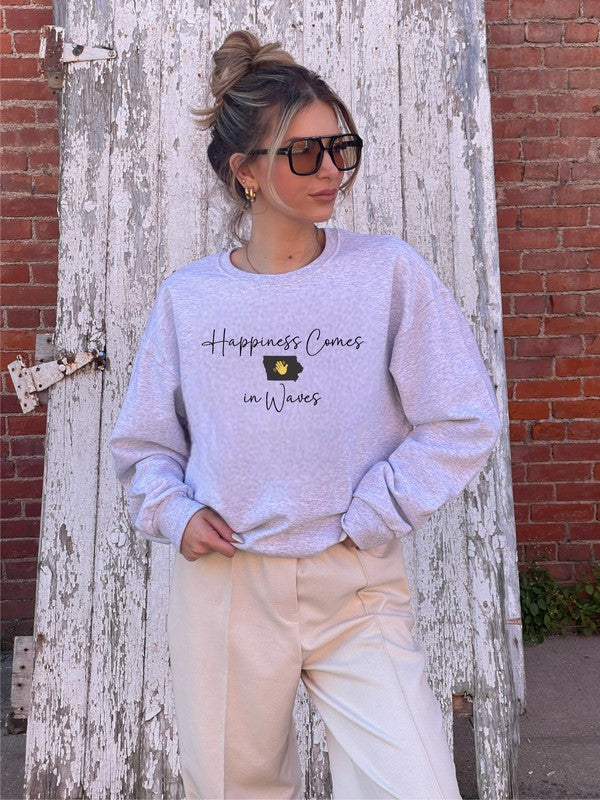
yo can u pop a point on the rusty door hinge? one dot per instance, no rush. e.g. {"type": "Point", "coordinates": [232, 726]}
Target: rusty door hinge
{"type": "Point", "coordinates": [29, 381]}
{"type": "Point", "coordinates": [55, 53]}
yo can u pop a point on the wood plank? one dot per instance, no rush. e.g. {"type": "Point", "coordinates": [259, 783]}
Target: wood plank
{"type": "Point", "coordinates": [126, 717]}
{"type": "Point", "coordinates": [491, 540]}
{"type": "Point", "coordinates": [21, 675]}
{"type": "Point", "coordinates": [181, 199]}
{"type": "Point", "coordinates": [436, 552]}
{"type": "Point", "coordinates": [57, 726]}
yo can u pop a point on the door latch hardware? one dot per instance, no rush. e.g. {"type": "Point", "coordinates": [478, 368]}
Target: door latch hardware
{"type": "Point", "coordinates": [55, 52]}
{"type": "Point", "coordinates": [28, 381]}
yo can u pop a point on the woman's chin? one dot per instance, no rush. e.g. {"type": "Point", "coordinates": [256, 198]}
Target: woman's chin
{"type": "Point", "coordinates": [323, 215]}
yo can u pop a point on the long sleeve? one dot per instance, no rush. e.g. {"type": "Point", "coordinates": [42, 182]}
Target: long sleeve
{"type": "Point", "coordinates": [448, 398]}
{"type": "Point", "coordinates": [149, 445]}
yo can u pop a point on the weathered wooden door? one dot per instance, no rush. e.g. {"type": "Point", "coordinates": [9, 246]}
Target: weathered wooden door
{"type": "Point", "coordinates": [137, 200]}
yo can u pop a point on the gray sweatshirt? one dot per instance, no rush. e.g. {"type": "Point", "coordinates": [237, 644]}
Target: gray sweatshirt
{"type": "Point", "coordinates": [347, 397]}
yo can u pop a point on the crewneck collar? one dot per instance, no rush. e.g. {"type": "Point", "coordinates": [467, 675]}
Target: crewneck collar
{"type": "Point", "coordinates": [284, 278]}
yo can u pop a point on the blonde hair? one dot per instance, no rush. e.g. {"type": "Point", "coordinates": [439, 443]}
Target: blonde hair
{"type": "Point", "coordinates": [257, 87]}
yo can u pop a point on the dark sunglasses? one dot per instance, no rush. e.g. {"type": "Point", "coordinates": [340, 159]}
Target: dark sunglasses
{"type": "Point", "coordinates": [305, 153]}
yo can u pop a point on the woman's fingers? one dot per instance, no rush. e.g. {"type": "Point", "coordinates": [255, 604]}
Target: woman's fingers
{"type": "Point", "coordinates": [206, 532]}
{"type": "Point", "coordinates": [219, 524]}
{"type": "Point", "coordinates": [214, 541]}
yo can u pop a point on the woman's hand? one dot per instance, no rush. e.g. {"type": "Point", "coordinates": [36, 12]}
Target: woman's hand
{"type": "Point", "coordinates": [206, 532]}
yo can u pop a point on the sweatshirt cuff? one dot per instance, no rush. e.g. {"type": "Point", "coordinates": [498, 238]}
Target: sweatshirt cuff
{"type": "Point", "coordinates": [173, 514]}
{"type": "Point", "coordinates": [366, 528]}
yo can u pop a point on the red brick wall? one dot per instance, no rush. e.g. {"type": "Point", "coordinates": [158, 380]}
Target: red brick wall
{"type": "Point", "coordinates": [544, 70]}
{"type": "Point", "coordinates": [544, 76]}
{"type": "Point", "coordinates": [29, 176]}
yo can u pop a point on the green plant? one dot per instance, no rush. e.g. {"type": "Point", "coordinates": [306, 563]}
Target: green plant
{"type": "Point", "coordinates": [547, 607]}
{"type": "Point", "coordinates": [542, 603]}
{"type": "Point", "coordinates": [584, 602]}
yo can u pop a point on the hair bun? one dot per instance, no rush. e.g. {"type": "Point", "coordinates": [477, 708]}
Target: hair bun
{"type": "Point", "coordinates": [240, 54]}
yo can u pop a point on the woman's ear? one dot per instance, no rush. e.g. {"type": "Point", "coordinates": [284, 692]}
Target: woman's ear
{"type": "Point", "coordinates": [244, 174]}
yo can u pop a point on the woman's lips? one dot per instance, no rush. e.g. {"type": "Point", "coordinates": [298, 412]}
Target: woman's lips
{"type": "Point", "coordinates": [325, 197]}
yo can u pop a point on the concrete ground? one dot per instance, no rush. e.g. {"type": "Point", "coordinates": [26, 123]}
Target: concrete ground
{"type": "Point", "coordinates": [559, 756]}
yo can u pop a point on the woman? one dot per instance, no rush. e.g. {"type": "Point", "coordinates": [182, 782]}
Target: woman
{"type": "Point", "coordinates": [297, 406]}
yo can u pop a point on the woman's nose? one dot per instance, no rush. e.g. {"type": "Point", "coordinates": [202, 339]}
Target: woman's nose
{"type": "Point", "coordinates": [327, 164]}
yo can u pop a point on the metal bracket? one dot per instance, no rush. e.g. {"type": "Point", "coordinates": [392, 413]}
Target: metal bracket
{"type": "Point", "coordinates": [29, 381]}
{"type": "Point", "coordinates": [55, 53]}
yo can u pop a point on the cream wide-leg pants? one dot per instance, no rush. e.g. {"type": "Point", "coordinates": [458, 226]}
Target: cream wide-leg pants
{"type": "Point", "coordinates": [243, 631]}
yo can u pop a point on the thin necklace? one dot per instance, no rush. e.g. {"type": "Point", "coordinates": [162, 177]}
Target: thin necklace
{"type": "Point", "coordinates": [313, 256]}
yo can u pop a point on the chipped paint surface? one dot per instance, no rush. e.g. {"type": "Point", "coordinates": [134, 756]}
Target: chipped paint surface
{"type": "Point", "coordinates": [138, 199]}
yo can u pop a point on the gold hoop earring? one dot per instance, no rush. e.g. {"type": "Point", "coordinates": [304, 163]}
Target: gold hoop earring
{"type": "Point", "coordinates": [250, 193]}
